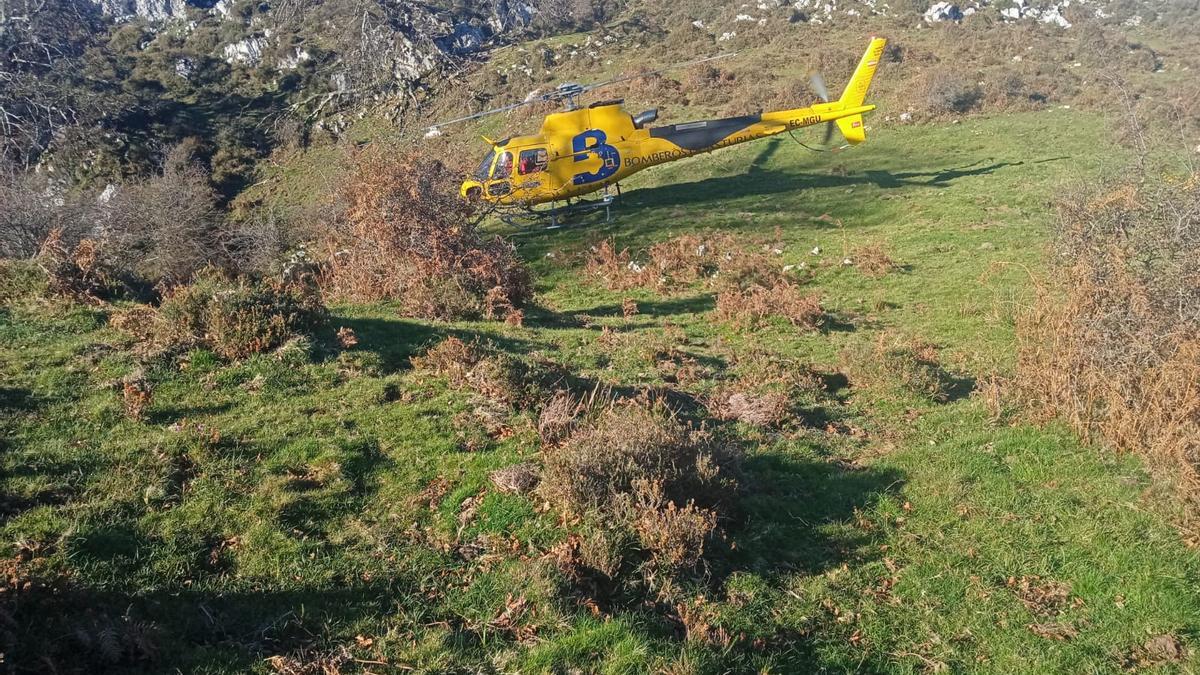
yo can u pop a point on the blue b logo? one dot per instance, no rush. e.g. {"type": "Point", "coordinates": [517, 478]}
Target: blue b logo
{"type": "Point", "coordinates": [595, 141]}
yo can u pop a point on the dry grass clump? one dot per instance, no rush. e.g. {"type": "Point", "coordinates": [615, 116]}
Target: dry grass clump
{"type": "Point", "coordinates": [313, 663]}
{"type": "Point", "coordinates": [404, 235]}
{"type": "Point", "coordinates": [485, 370]}
{"type": "Point", "coordinates": [517, 479]}
{"type": "Point", "coordinates": [873, 260]}
{"type": "Point", "coordinates": [754, 305]}
{"type": "Point", "coordinates": [557, 418]}
{"type": "Point", "coordinates": [636, 469]}
{"type": "Point", "coordinates": [1111, 346]}
{"type": "Point", "coordinates": [765, 409]}
{"type": "Point", "coordinates": [237, 317]}
{"type": "Point", "coordinates": [136, 394]}
{"type": "Point", "coordinates": [674, 534]}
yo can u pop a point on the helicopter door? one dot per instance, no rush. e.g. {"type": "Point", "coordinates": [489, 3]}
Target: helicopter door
{"type": "Point", "coordinates": [499, 185]}
{"type": "Point", "coordinates": [531, 169]}
{"type": "Point", "coordinates": [534, 160]}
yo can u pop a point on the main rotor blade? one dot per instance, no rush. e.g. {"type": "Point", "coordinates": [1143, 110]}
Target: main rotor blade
{"type": "Point", "coordinates": [485, 113]}
{"type": "Point", "coordinates": [556, 94]}
{"type": "Point", "coordinates": [818, 85]}
{"type": "Point", "coordinates": [686, 64]}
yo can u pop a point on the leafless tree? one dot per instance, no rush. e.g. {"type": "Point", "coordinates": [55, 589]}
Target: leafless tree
{"type": "Point", "coordinates": [41, 42]}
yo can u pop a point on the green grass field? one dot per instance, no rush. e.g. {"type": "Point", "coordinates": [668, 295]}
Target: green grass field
{"type": "Point", "coordinates": [298, 503]}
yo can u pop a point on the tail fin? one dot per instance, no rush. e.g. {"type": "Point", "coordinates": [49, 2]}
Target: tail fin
{"type": "Point", "coordinates": [856, 90]}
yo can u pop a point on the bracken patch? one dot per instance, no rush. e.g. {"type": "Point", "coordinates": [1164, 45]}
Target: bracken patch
{"type": "Point", "coordinates": [401, 235]}
{"type": "Point", "coordinates": [1110, 344]}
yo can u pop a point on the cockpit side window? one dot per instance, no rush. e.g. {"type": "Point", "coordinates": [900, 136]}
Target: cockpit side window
{"type": "Point", "coordinates": [503, 166]}
{"type": "Point", "coordinates": [485, 167]}
{"type": "Point", "coordinates": [533, 161]}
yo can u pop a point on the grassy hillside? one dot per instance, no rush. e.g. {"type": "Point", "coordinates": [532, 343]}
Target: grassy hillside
{"type": "Point", "coordinates": [333, 506]}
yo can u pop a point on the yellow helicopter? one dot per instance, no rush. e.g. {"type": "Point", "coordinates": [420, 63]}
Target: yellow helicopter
{"type": "Point", "coordinates": [581, 150]}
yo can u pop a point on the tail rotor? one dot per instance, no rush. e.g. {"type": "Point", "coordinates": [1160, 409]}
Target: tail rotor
{"type": "Point", "coordinates": [818, 85]}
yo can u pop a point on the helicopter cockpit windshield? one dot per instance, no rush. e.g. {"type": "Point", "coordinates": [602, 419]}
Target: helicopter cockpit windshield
{"type": "Point", "coordinates": [485, 166]}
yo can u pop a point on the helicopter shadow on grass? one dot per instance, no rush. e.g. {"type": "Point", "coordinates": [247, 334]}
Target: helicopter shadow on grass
{"type": "Point", "coordinates": [759, 182]}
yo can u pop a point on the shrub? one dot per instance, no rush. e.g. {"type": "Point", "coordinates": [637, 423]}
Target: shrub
{"type": "Point", "coordinates": [947, 92]}
{"type": "Point", "coordinates": [165, 228]}
{"type": "Point", "coordinates": [1111, 345]}
{"type": "Point", "coordinates": [485, 370]}
{"type": "Point", "coordinates": [77, 272]}
{"type": "Point", "coordinates": [403, 234]}
{"type": "Point", "coordinates": [237, 317]}
{"type": "Point", "coordinates": [30, 209]}
{"type": "Point", "coordinates": [637, 473]}
{"type": "Point", "coordinates": [136, 395]}
{"type": "Point", "coordinates": [598, 466]}
{"type": "Point", "coordinates": [158, 230]}
{"type": "Point", "coordinates": [615, 269]}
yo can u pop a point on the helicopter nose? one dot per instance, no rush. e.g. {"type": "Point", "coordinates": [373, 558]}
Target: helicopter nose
{"type": "Point", "coordinates": [471, 190]}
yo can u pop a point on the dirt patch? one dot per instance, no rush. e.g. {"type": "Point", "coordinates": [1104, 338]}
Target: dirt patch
{"type": "Point", "coordinates": [1157, 651]}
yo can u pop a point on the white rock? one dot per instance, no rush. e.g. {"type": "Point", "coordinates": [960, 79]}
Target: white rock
{"type": "Point", "coordinates": [1053, 15]}
{"type": "Point", "coordinates": [816, 250]}
{"type": "Point", "coordinates": [905, 117]}
{"type": "Point", "coordinates": [943, 11]}
{"type": "Point", "coordinates": [110, 191]}
{"type": "Point", "coordinates": [248, 51]}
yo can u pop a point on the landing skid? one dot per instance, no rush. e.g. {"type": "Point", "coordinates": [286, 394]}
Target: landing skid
{"type": "Point", "coordinates": [558, 216]}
